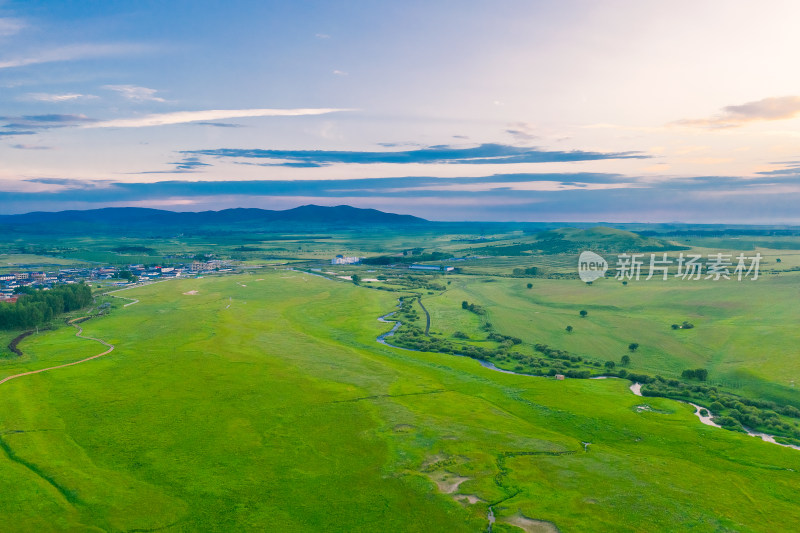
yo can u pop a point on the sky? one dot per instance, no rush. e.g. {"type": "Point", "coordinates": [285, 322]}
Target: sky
{"type": "Point", "coordinates": [568, 110]}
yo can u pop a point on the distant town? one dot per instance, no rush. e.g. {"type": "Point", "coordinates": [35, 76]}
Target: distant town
{"type": "Point", "coordinates": [12, 283]}
{"type": "Point", "coordinates": [16, 282]}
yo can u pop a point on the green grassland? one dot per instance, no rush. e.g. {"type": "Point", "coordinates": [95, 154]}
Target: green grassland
{"type": "Point", "coordinates": [263, 403]}
{"type": "Point", "coordinates": [744, 331]}
{"type": "Point", "coordinates": [14, 262]}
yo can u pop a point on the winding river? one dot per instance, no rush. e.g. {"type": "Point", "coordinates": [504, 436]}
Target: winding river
{"type": "Point", "coordinates": [635, 388]}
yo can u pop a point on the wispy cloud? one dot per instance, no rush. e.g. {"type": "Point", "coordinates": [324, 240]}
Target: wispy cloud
{"type": "Point", "coordinates": [135, 94]}
{"type": "Point", "coordinates": [733, 116]}
{"type": "Point", "coordinates": [57, 98]}
{"type": "Point", "coordinates": [32, 124]}
{"type": "Point", "coordinates": [339, 73]}
{"type": "Point", "coordinates": [43, 122]}
{"type": "Point", "coordinates": [182, 117]}
{"type": "Point", "coordinates": [521, 131]}
{"type": "Point", "coordinates": [364, 187]}
{"type": "Point", "coordinates": [480, 155]}
{"type": "Point", "coordinates": [190, 163]}
{"type": "Point", "coordinates": [554, 196]}
{"type": "Point", "coordinates": [788, 168]}
{"type": "Point", "coordinates": [52, 118]}
{"type": "Point", "coordinates": [72, 184]}
{"type": "Point", "coordinates": [10, 26]}
{"type": "Point", "coordinates": [31, 147]}
{"type": "Point", "coordinates": [72, 53]}
{"type": "Point", "coordinates": [219, 124]}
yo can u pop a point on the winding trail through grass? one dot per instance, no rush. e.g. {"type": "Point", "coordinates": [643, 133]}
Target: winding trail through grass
{"type": "Point", "coordinates": [79, 334]}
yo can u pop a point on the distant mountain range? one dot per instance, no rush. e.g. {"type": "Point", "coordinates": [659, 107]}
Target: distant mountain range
{"type": "Point", "coordinates": [340, 215]}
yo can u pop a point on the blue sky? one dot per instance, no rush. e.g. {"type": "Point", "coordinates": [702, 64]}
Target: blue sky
{"type": "Point", "coordinates": [515, 110]}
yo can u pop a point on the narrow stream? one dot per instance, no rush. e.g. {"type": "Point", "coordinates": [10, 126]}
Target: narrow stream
{"type": "Point", "coordinates": [382, 338]}
{"type": "Point", "coordinates": [635, 388]}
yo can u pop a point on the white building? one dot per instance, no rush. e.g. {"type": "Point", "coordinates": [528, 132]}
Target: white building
{"type": "Point", "coordinates": [342, 260]}
{"type": "Point", "coordinates": [432, 267]}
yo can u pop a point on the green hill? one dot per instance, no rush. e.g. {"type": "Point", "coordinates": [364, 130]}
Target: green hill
{"type": "Point", "coordinates": [575, 240]}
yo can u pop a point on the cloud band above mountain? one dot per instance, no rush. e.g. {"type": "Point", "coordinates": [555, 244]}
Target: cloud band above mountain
{"type": "Point", "coordinates": [484, 154]}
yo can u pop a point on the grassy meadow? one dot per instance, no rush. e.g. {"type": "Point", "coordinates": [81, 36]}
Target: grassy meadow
{"type": "Point", "coordinates": [743, 334]}
{"type": "Point", "coordinates": [263, 403]}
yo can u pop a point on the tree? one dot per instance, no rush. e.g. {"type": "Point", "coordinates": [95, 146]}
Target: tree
{"type": "Point", "coordinates": [726, 421]}
{"type": "Point", "coordinates": [626, 360]}
{"type": "Point", "coordinates": [675, 326]}
{"type": "Point", "coordinates": [583, 313]}
{"type": "Point", "coordinates": [633, 346]}
{"type": "Point", "coordinates": [356, 278]}
{"type": "Point", "coordinates": [465, 305]}
{"type": "Point", "coordinates": [569, 329]}
{"type": "Point", "coordinates": [610, 365]}
{"type": "Point", "coordinates": [696, 373]}
{"type": "Point", "coordinates": [530, 285]}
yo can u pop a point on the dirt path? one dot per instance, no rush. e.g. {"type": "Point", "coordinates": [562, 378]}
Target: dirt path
{"type": "Point", "coordinates": [427, 316]}
{"type": "Point", "coordinates": [133, 300]}
{"type": "Point", "coordinates": [79, 333]}
{"type": "Point", "coordinates": [134, 286]}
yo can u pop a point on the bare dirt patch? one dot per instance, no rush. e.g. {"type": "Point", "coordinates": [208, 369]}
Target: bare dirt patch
{"type": "Point", "coordinates": [191, 293]}
{"type": "Point", "coordinates": [432, 460]}
{"type": "Point", "coordinates": [447, 482]}
{"type": "Point", "coordinates": [468, 498]}
{"type": "Point", "coordinates": [530, 525]}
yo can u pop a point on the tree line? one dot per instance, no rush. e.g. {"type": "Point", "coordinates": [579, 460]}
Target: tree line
{"type": "Point", "coordinates": [38, 307]}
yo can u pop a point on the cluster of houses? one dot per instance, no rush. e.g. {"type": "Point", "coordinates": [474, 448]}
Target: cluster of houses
{"type": "Point", "coordinates": [12, 281]}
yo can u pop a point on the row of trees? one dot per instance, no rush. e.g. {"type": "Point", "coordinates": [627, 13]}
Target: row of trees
{"type": "Point", "coordinates": [729, 410]}
{"type": "Point", "coordinates": [38, 307]}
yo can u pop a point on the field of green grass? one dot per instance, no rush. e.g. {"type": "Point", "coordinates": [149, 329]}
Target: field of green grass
{"type": "Point", "coordinates": [263, 403]}
{"type": "Point", "coordinates": [14, 262]}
